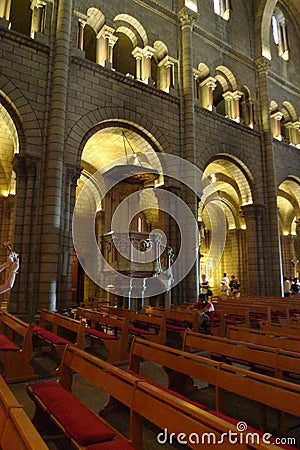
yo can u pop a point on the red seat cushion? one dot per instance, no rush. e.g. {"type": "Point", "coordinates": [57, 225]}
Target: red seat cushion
{"type": "Point", "coordinates": [52, 337]}
{"type": "Point", "coordinates": [175, 328]}
{"type": "Point", "coordinates": [100, 334]}
{"type": "Point", "coordinates": [7, 345]}
{"type": "Point", "coordinates": [141, 331]}
{"type": "Point", "coordinates": [119, 444]}
{"type": "Point", "coordinates": [77, 420]}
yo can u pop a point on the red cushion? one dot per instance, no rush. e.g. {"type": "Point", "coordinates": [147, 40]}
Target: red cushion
{"type": "Point", "coordinates": [141, 331]}
{"type": "Point", "coordinates": [7, 345]}
{"type": "Point", "coordinates": [119, 444]}
{"type": "Point", "coordinates": [77, 420]}
{"type": "Point", "coordinates": [52, 337]}
{"type": "Point", "coordinates": [100, 334]}
{"type": "Point", "coordinates": [175, 328]}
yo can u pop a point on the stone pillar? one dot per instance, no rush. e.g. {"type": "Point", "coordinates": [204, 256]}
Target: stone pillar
{"type": "Point", "coordinates": [80, 34]}
{"type": "Point", "coordinates": [5, 6]}
{"type": "Point", "coordinates": [276, 126]}
{"type": "Point", "coordinates": [105, 44]}
{"type": "Point", "coordinates": [72, 173]}
{"type": "Point", "coordinates": [253, 215]}
{"type": "Point", "coordinates": [52, 219]}
{"type": "Point", "coordinates": [37, 21]}
{"type": "Point", "coordinates": [236, 95]}
{"type": "Point", "coordinates": [228, 97]}
{"type": "Point", "coordinates": [25, 292]}
{"type": "Point", "coordinates": [187, 18]}
{"type": "Point", "coordinates": [166, 74]}
{"type": "Point", "coordinates": [271, 244]}
{"type": "Point", "coordinates": [207, 88]}
{"type": "Point", "coordinates": [148, 52]}
{"type": "Point", "coordinates": [137, 53]}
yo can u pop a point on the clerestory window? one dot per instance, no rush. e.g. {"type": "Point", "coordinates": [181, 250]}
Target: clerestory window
{"type": "Point", "coordinates": [223, 8]}
{"type": "Point", "coordinates": [280, 34]}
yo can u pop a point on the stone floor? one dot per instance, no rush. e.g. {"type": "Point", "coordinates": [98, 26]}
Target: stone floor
{"type": "Point", "coordinates": [244, 410]}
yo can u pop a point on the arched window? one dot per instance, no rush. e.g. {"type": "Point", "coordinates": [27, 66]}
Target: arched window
{"type": "Point", "coordinates": [280, 34]}
{"type": "Point", "coordinates": [89, 43]}
{"type": "Point", "coordinates": [21, 21]}
{"type": "Point", "coordinates": [123, 61]}
{"type": "Point", "coordinates": [223, 8]}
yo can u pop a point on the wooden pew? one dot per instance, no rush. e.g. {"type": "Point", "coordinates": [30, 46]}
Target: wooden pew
{"type": "Point", "coordinates": [15, 357]}
{"type": "Point", "coordinates": [144, 401]}
{"type": "Point", "coordinates": [150, 327]}
{"type": "Point", "coordinates": [50, 328]}
{"type": "Point", "coordinates": [254, 355]}
{"type": "Point", "coordinates": [181, 367]}
{"type": "Point", "coordinates": [259, 337]}
{"type": "Point", "coordinates": [16, 429]}
{"type": "Point", "coordinates": [284, 329]}
{"type": "Point", "coordinates": [112, 331]}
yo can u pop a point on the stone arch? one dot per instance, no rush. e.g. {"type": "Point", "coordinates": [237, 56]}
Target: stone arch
{"type": "Point", "coordinates": [129, 23]}
{"type": "Point", "coordinates": [93, 120]}
{"type": "Point", "coordinates": [95, 19]}
{"type": "Point", "coordinates": [226, 78]}
{"type": "Point", "coordinates": [22, 113]}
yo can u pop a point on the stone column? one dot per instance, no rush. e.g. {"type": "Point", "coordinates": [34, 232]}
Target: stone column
{"type": "Point", "coordinates": [5, 6]}
{"type": "Point", "coordinates": [137, 53]}
{"type": "Point", "coordinates": [80, 34]}
{"type": "Point", "coordinates": [254, 249]}
{"type": "Point", "coordinates": [38, 11]}
{"type": "Point", "coordinates": [72, 173]}
{"type": "Point", "coordinates": [187, 18]}
{"type": "Point", "coordinates": [148, 52]}
{"type": "Point", "coordinates": [276, 126]}
{"type": "Point", "coordinates": [105, 44]}
{"type": "Point", "coordinates": [228, 96]}
{"type": "Point", "coordinates": [166, 74]}
{"type": "Point", "coordinates": [207, 88]}
{"type": "Point", "coordinates": [24, 294]}
{"type": "Point", "coordinates": [236, 95]}
{"type": "Point", "coordinates": [271, 244]}
{"type": "Point", "coordinates": [52, 220]}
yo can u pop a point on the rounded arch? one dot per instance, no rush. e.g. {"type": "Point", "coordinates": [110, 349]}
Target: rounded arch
{"type": "Point", "coordinates": [161, 50]}
{"type": "Point", "coordinates": [95, 19]}
{"type": "Point", "coordinates": [226, 78]}
{"type": "Point", "coordinates": [129, 23]}
{"type": "Point", "coordinates": [93, 121]}
{"type": "Point", "coordinates": [21, 113]}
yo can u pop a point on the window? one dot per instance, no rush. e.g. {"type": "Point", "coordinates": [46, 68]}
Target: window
{"type": "Point", "coordinates": [223, 8]}
{"type": "Point", "coordinates": [280, 35]}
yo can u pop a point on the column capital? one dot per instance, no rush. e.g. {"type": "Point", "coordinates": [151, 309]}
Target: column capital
{"type": "Point", "coordinates": [81, 17]}
{"type": "Point", "coordinates": [209, 82]}
{"type": "Point", "coordinates": [105, 32]}
{"type": "Point", "coordinates": [167, 61]}
{"type": "Point", "coordinates": [148, 51]}
{"type": "Point", "coordinates": [277, 115]}
{"type": "Point", "coordinates": [38, 3]}
{"type": "Point", "coordinates": [73, 172]}
{"type": "Point", "coordinates": [137, 53]}
{"type": "Point", "coordinates": [187, 17]}
{"type": "Point", "coordinates": [263, 64]}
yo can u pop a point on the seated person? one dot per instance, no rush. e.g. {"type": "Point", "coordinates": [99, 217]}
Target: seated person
{"type": "Point", "coordinates": [207, 311]}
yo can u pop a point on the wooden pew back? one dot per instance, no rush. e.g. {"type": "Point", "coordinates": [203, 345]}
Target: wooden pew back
{"type": "Point", "coordinates": [16, 429]}
{"type": "Point", "coordinates": [16, 364]}
{"type": "Point", "coordinates": [272, 392]}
